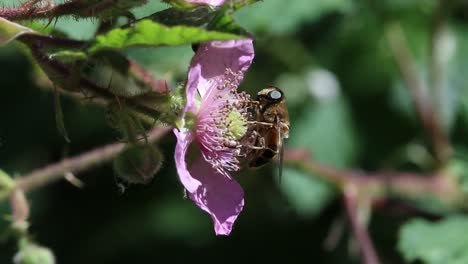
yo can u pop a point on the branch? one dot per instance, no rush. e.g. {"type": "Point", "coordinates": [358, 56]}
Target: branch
{"type": "Point", "coordinates": [85, 161]}
{"type": "Point", "coordinates": [34, 9]}
{"type": "Point", "coordinates": [383, 184]}
{"type": "Point", "coordinates": [20, 210]}
{"type": "Point", "coordinates": [419, 92]}
{"type": "Point", "coordinates": [376, 187]}
{"type": "Point", "coordinates": [350, 200]}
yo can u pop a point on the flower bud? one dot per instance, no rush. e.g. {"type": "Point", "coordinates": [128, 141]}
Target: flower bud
{"type": "Point", "coordinates": [138, 164]}
{"type": "Point", "coordinates": [31, 253]}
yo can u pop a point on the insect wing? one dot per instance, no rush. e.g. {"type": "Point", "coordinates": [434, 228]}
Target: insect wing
{"type": "Point", "coordinates": [280, 149]}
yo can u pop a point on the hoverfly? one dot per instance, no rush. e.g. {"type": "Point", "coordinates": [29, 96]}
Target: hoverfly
{"type": "Point", "coordinates": [268, 128]}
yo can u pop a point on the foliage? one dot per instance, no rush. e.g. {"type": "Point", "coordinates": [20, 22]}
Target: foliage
{"type": "Point", "coordinates": [434, 243]}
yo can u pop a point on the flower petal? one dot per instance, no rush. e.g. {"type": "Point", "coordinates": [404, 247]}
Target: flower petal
{"type": "Point", "coordinates": [208, 2]}
{"type": "Point", "coordinates": [221, 197]}
{"type": "Point", "coordinates": [184, 138]}
{"type": "Point", "coordinates": [211, 61]}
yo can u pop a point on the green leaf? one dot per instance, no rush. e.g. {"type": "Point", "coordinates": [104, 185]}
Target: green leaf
{"type": "Point", "coordinates": [225, 23]}
{"type": "Point", "coordinates": [192, 17]}
{"type": "Point", "coordinates": [148, 33]}
{"type": "Point", "coordinates": [435, 243]}
{"type": "Point", "coordinates": [10, 31]}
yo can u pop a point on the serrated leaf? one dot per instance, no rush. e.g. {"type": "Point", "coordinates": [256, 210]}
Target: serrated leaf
{"type": "Point", "coordinates": [59, 116]}
{"type": "Point", "coordinates": [148, 33]}
{"type": "Point", "coordinates": [435, 243]}
{"type": "Point", "coordinates": [192, 17]}
{"type": "Point", "coordinates": [225, 23]}
{"type": "Point", "coordinates": [10, 31]}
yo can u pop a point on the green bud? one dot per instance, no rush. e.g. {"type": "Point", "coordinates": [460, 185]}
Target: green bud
{"type": "Point", "coordinates": [138, 164]}
{"type": "Point", "coordinates": [31, 253]}
{"type": "Point", "coordinates": [125, 122]}
{"type": "Point", "coordinates": [6, 182]}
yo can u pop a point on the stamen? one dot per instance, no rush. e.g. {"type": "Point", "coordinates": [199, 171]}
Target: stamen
{"type": "Point", "coordinates": [222, 123]}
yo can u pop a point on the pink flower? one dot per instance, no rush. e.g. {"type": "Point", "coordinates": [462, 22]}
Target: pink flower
{"type": "Point", "coordinates": [214, 121]}
{"type": "Point", "coordinates": [208, 2]}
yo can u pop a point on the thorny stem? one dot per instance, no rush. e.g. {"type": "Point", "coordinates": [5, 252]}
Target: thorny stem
{"type": "Point", "coordinates": [82, 162]}
{"type": "Point", "coordinates": [82, 8]}
{"type": "Point", "coordinates": [54, 68]}
{"type": "Point", "coordinates": [419, 92]}
{"type": "Point", "coordinates": [368, 252]}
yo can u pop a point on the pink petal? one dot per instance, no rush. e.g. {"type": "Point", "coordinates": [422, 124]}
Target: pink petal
{"type": "Point", "coordinates": [184, 138]}
{"type": "Point", "coordinates": [208, 2]}
{"type": "Point", "coordinates": [221, 197]}
{"type": "Point", "coordinates": [211, 61]}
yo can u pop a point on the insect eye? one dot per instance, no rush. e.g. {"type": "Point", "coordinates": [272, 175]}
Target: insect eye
{"type": "Point", "coordinates": [275, 95]}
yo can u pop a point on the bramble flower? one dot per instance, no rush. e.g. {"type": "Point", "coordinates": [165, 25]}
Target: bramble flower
{"type": "Point", "coordinates": [208, 2]}
{"type": "Point", "coordinates": [214, 121]}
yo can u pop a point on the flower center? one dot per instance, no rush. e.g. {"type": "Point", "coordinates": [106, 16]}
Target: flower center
{"type": "Point", "coordinates": [236, 125]}
{"type": "Point", "coordinates": [222, 122]}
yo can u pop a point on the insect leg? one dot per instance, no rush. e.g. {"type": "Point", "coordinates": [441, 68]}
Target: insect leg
{"type": "Point", "coordinates": [260, 123]}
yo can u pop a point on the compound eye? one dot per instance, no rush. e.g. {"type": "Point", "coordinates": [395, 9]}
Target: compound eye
{"type": "Point", "coordinates": [275, 95]}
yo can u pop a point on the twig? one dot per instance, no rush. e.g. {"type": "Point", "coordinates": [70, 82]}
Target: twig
{"type": "Point", "coordinates": [20, 210]}
{"type": "Point", "coordinates": [54, 172]}
{"type": "Point", "coordinates": [81, 8]}
{"type": "Point", "coordinates": [419, 92]}
{"type": "Point", "coordinates": [368, 253]}
{"type": "Point", "coordinates": [383, 184]}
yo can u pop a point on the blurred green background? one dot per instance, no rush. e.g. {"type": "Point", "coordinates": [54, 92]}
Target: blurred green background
{"type": "Point", "coordinates": [348, 106]}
